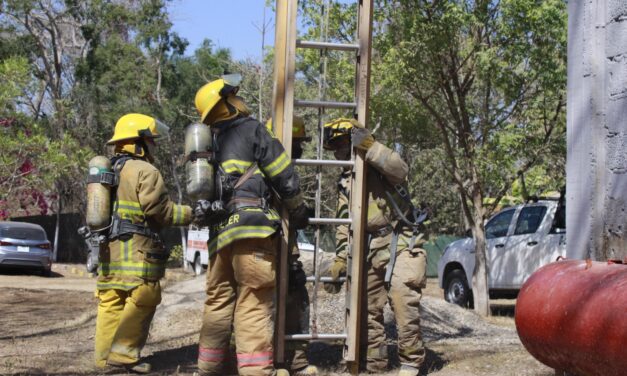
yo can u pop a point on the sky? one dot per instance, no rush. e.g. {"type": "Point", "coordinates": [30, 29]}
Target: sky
{"type": "Point", "coordinates": [229, 24]}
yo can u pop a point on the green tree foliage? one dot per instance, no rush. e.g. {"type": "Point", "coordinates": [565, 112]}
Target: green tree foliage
{"type": "Point", "coordinates": [490, 77]}
{"type": "Point", "coordinates": [81, 65]}
{"type": "Point", "coordinates": [31, 164]}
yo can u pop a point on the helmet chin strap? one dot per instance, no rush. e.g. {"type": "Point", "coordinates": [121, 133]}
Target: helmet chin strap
{"type": "Point", "coordinates": [143, 150]}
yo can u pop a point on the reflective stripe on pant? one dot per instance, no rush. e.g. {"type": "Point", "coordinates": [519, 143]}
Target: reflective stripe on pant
{"type": "Point", "coordinates": [240, 290]}
{"type": "Point", "coordinates": [404, 295]}
{"type": "Point", "coordinates": [123, 322]}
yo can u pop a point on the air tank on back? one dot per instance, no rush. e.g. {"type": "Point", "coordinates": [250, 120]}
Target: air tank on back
{"type": "Point", "coordinates": [98, 211]}
{"type": "Point", "coordinates": [198, 168]}
{"type": "Point", "coordinates": [572, 316]}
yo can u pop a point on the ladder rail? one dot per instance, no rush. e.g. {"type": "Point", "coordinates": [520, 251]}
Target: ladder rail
{"type": "Point", "coordinates": [283, 105]}
{"type": "Point", "coordinates": [358, 194]}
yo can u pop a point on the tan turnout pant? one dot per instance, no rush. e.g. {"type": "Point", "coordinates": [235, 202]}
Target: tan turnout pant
{"type": "Point", "coordinates": [123, 322]}
{"type": "Point", "coordinates": [240, 291]}
{"type": "Point", "coordinates": [403, 294]}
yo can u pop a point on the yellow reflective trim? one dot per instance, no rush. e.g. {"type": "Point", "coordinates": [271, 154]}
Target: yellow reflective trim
{"type": "Point", "coordinates": [117, 285]}
{"type": "Point", "coordinates": [177, 214]}
{"type": "Point", "coordinates": [127, 248]}
{"type": "Point", "coordinates": [129, 211]}
{"type": "Point", "coordinates": [134, 204]}
{"type": "Point", "coordinates": [233, 165]}
{"type": "Point", "coordinates": [239, 232]}
{"type": "Point", "coordinates": [279, 164]}
{"type": "Point", "coordinates": [130, 268]}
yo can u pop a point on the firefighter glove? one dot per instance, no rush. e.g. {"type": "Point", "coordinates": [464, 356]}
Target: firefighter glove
{"type": "Point", "coordinates": [200, 211]}
{"type": "Point", "coordinates": [297, 276]}
{"type": "Point", "coordinates": [299, 217]}
{"type": "Point", "coordinates": [362, 138]}
{"type": "Point", "coordinates": [337, 270]}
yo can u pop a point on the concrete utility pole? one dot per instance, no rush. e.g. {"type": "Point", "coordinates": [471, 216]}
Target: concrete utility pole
{"type": "Point", "coordinates": [596, 168]}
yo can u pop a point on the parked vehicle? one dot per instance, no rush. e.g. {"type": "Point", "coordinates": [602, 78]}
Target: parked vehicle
{"type": "Point", "coordinates": [196, 254]}
{"type": "Point", "coordinates": [25, 245]}
{"type": "Point", "coordinates": [519, 240]}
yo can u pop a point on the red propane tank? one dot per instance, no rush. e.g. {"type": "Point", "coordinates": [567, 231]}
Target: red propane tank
{"type": "Point", "coordinates": [572, 316]}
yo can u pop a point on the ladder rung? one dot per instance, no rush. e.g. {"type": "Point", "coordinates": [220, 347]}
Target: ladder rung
{"type": "Point", "coordinates": [323, 104]}
{"type": "Point", "coordinates": [327, 279]}
{"type": "Point", "coordinates": [327, 45]}
{"type": "Point", "coordinates": [323, 162]}
{"type": "Point", "coordinates": [330, 221]}
{"type": "Point", "coordinates": [323, 336]}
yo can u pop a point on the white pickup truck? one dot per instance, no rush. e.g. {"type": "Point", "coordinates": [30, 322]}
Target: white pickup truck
{"type": "Point", "coordinates": [520, 239]}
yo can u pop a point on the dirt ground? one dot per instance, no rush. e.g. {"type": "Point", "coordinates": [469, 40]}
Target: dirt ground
{"type": "Point", "coordinates": [47, 328]}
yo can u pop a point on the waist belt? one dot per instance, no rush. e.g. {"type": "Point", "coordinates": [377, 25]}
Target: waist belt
{"type": "Point", "coordinates": [239, 203]}
{"type": "Point", "coordinates": [121, 228]}
{"type": "Point", "coordinates": [383, 231]}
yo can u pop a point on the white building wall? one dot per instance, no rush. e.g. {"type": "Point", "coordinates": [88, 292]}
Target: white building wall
{"type": "Point", "coordinates": [596, 168]}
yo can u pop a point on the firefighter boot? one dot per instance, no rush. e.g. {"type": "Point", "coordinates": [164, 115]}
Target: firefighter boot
{"type": "Point", "coordinates": [307, 371]}
{"type": "Point", "coordinates": [408, 371]}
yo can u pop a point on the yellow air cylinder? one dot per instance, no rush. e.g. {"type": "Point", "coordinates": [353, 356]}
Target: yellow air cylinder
{"type": "Point", "coordinates": [198, 168]}
{"type": "Point", "coordinates": [98, 213]}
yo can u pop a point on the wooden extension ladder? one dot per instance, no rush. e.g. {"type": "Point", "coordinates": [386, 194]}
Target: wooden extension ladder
{"type": "Point", "coordinates": [284, 102]}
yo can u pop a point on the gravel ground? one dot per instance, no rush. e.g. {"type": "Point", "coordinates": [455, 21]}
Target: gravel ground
{"type": "Point", "coordinates": [47, 326]}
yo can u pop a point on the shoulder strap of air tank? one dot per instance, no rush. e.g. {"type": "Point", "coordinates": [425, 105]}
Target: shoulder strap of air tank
{"type": "Point", "coordinates": [118, 163]}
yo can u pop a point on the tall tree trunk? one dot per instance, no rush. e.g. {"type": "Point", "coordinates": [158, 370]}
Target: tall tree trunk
{"type": "Point", "coordinates": [55, 247]}
{"type": "Point", "coordinates": [179, 191]}
{"type": "Point", "coordinates": [480, 274]}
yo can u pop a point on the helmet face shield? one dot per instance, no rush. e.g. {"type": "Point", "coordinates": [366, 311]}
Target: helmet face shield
{"type": "Point", "coordinates": [233, 79]}
{"type": "Point", "coordinates": [161, 130]}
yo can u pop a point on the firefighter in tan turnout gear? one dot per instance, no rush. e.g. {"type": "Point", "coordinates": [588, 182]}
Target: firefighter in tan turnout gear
{"type": "Point", "coordinates": [244, 238]}
{"type": "Point", "coordinates": [396, 265]}
{"type": "Point", "coordinates": [132, 260]}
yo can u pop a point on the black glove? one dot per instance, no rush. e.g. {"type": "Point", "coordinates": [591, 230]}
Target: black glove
{"type": "Point", "coordinates": [200, 211]}
{"type": "Point", "coordinates": [299, 217]}
{"type": "Point", "coordinates": [297, 276]}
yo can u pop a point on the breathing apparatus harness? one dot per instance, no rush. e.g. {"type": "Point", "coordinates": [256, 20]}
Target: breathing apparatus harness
{"type": "Point", "coordinates": [226, 184]}
{"type": "Point", "coordinates": [414, 222]}
{"type": "Point", "coordinates": [122, 229]}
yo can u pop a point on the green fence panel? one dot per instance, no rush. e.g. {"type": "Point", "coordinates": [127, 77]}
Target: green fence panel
{"type": "Point", "coordinates": [435, 249]}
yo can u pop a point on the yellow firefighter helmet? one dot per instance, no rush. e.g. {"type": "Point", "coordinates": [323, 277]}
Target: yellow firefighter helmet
{"type": "Point", "coordinates": [208, 96]}
{"type": "Point", "coordinates": [335, 130]}
{"type": "Point", "coordinates": [135, 126]}
{"type": "Point", "coordinates": [298, 129]}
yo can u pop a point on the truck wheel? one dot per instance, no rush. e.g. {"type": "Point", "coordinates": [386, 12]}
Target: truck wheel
{"type": "Point", "coordinates": [198, 269]}
{"type": "Point", "coordinates": [456, 289]}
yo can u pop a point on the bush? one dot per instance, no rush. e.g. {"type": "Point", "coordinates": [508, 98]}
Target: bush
{"type": "Point", "coordinates": [176, 256]}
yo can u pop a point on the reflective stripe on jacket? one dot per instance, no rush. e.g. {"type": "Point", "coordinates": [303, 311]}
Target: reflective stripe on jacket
{"type": "Point", "coordinates": [240, 144]}
{"type": "Point", "coordinates": [141, 198]}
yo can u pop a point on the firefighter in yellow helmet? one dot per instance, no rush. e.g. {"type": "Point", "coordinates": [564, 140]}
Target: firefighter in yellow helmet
{"type": "Point", "coordinates": [396, 265]}
{"type": "Point", "coordinates": [243, 241]}
{"type": "Point", "coordinates": [133, 259]}
{"type": "Point", "coordinates": [297, 316]}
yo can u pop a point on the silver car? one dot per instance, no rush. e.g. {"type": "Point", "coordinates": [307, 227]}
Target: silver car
{"type": "Point", "coordinates": [25, 245]}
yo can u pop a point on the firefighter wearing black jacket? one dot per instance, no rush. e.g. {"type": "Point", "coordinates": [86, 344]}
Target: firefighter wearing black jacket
{"type": "Point", "coordinates": [250, 164]}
